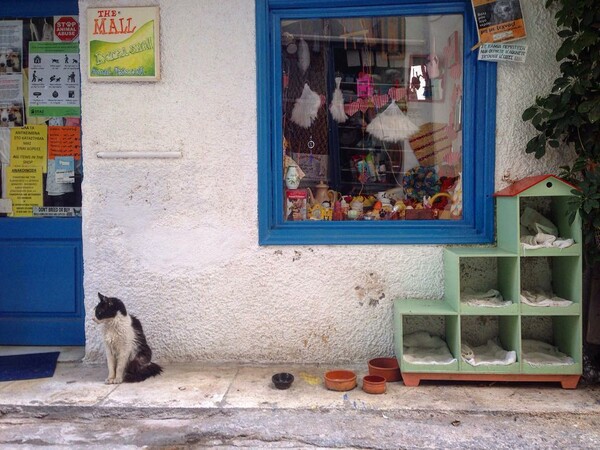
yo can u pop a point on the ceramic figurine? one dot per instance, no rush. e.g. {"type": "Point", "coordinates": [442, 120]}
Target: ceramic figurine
{"type": "Point", "coordinates": [292, 178]}
{"type": "Point", "coordinates": [322, 194]}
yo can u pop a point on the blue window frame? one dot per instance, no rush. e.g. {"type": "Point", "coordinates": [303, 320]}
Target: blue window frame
{"type": "Point", "coordinates": [475, 225]}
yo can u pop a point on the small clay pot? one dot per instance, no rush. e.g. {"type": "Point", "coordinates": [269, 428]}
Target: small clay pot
{"type": "Point", "coordinates": [385, 367]}
{"type": "Point", "coordinates": [374, 384]}
{"type": "Point", "coordinates": [340, 380]}
{"type": "Point", "coordinates": [282, 380]}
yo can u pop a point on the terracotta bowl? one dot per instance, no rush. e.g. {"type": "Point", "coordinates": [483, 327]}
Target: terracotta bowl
{"type": "Point", "coordinates": [373, 384]}
{"type": "Point", "coordinates": [340, 380]}
{"type": "Point", "coordinates": [385, 367]}
{"type": "Point", "coordinates": [282, 380]}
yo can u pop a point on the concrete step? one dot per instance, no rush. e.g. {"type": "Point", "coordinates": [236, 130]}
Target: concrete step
{"type": "Point", "coordinates": [235, 405]}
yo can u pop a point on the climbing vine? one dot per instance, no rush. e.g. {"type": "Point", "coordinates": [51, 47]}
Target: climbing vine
{"type": "Point", "coordinates": [568, 117]}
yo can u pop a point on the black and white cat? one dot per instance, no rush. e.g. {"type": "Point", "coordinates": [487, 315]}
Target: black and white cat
{"type": "Point", "coordinates": [127, 352]}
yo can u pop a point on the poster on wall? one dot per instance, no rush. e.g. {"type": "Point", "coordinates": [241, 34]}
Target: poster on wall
{"type": "Point", "coordinates": [54, 79]}
{"type": "Point", "coordinates": [64, 141]}
{"type": "Point", "coordinates": [40, 134]}
{"type": "Point", "coordinates": [24, 189]}
{"type": "Point", "coordinates": [11, 48]}
{"type": "Point", "coordinates": [123, 44]}
{"type": "Point", "coordinates": [499, 20]}
{"type": "Point", "coordinates": [29, 146]}
{"type": "Point", "coordinates": [11, 101]}
{"type": "Point", "coordinates": [11, 74]}
{"type": "Point", "coordinates": [24, 175]}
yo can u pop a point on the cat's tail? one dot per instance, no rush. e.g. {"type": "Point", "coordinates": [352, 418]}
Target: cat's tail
{"type": "Point", "coordinates": [143, 372]}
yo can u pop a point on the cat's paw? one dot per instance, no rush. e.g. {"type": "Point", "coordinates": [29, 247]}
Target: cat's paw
{"type": "Point", "coordinates": [109, 381]}
{"type": "Point", "coordinates": [118, 380]}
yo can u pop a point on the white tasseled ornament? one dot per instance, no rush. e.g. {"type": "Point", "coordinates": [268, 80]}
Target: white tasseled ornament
{"type": "Point", "coordinates": [303, 55]}
{"type": "Point", "coordinates": [306, 107]}
{"type": "Point", "coordinates": [392, 125]}
{"type": "Point", "coordinates": [336, 107]}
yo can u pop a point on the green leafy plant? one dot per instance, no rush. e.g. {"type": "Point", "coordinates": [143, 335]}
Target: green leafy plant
{"type": "Point", "coordinates": [569, 116]}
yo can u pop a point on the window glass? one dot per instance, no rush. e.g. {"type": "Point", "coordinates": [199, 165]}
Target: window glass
{"type": "Point", "coordinates": [371, 118]}
{"type": "Point", "coordinates": [376, 123]}
{"type": "Point", "coordinates": [40, 127]}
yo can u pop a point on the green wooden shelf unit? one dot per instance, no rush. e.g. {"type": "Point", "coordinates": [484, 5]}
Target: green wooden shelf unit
{"type": "Point", "coordinates": [508, 268]}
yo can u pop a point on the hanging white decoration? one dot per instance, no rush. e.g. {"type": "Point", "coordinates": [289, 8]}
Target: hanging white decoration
{"type": "Point", "coordinates": [303, 55]}
{"type": "Point", "coordinates": [409, 159]}
{"type": "Point", "coordinates": [306, 107]}
{"type": "Point", "coordinates": [392, 125]}
{"type": "Point", "coordinates": [336, 107]}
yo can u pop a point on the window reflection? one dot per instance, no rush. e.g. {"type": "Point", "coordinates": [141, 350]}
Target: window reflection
{"type": "Point", "coordinates": [371, 118]}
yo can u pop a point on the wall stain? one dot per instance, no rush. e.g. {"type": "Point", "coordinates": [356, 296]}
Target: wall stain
{"type": "Point", "coordinates": [316, 337]}
{"type": "Point", "coordinates": [371, 291]}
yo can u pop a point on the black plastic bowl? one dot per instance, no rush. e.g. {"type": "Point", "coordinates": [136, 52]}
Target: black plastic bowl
{"type": "Point", "coordinates": [282, 380]}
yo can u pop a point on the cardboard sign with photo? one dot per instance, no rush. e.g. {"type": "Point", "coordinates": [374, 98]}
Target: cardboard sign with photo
{"type": "Point", "coordinates": [499, 20]}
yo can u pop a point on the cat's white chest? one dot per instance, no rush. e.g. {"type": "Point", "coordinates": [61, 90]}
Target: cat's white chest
{"type": "Point", "coordinates": [119, 335]}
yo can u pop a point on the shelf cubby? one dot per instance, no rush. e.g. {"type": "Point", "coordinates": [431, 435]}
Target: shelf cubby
{"type": "Point", "coordinates": [563, 332]}
{"type": "Point", "coordinates": [504, 330]}
{"type": "Point", "coordinates": [445, 326]}
{"type": "Point", "coordinates": [509, 269]}
{"type": "Point", "coordinates": [556, 275]}
{"type": "Point", "coordinates": [549, 197]}
{"type": "Point", "coordinates": [480, 270]}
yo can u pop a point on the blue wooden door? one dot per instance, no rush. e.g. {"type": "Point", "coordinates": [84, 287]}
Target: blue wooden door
{"type": "Point", "coordinates": [41, 263]}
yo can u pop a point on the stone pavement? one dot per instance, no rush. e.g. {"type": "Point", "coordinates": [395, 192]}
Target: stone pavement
{"type": "Point", "coordinates": [231, 406]}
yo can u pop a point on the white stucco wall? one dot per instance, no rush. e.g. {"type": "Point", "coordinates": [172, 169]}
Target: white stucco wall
{"type": "Point", "coordinates": [177, 239]}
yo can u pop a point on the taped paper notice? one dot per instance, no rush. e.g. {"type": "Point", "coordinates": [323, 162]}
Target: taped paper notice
{"type": "Point", "coordinates": [5, 206]}
{"type": "Point", "coordinates": [24, 188]}
{"type": "Point", "coordinates": [64, 167]}
{"type": "Point", "coordinates": [56, 211]}
{"type": "Point", "coordinates": [29, 146]}
{"type": "Point", "coordinates": [54, 79]}
{"type": "Point", "coordinates": [503, 52]}
{"type": "Point", "coordinates": [64, 141]}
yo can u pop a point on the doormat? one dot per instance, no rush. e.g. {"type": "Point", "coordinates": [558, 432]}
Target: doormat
{"type": "Point", "coordinates": [28, 367]}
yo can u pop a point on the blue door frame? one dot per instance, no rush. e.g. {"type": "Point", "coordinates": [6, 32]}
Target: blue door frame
{"type": "Point", "coordinates": [41, 261]}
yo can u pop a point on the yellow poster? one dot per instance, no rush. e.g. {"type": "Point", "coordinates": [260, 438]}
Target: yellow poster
{"type": "Point", "coordinates": [24, 187]}
{"type": "Point", "coordinates": [28, 145]}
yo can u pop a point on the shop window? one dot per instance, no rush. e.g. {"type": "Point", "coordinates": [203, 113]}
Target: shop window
{"type": "Point", "coordinates": [376, 123]}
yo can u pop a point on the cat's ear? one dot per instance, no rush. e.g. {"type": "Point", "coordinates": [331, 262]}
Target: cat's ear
{"type": "Point", "coordinates": [101, 297]}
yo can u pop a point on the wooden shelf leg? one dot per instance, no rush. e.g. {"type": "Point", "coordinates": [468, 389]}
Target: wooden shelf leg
{"type": "Point", "coordinates": [411, 379]}
{"type": "Point", "coordinates": [569, 381]}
